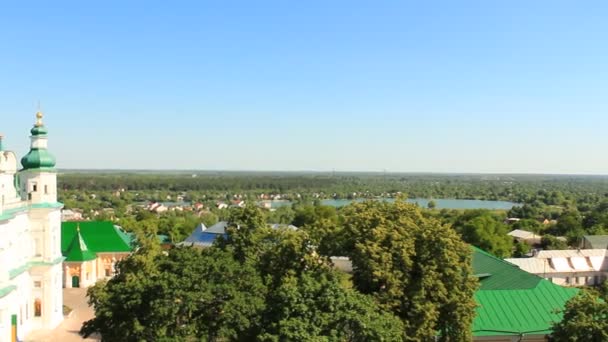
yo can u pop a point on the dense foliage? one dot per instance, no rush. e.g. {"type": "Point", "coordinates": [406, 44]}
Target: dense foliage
{"type": "Point", "coordinates": [585, 319]}
{"type": "Point", "coordinates": [276, 285]}
{"type": "Point", "coordinates": [414, 267]}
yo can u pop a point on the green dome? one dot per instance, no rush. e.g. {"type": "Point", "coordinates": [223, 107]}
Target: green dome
{"type": "Point", "coordinates": [39, 130]}
{"type": "Point", "coordinates": [37, 159]}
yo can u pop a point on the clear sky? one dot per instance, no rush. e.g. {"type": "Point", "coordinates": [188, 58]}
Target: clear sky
{"type": "Point", "coordinates": [437, 86]}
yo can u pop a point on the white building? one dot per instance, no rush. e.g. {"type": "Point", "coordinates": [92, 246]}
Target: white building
{"type": "Point", "coordinates": [30, 248]}
{"type": "Point", "coordinates": [525, 236]}
{"type": "Point", "coordinates": [569, 267]}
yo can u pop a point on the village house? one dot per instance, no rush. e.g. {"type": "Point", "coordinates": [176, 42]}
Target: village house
{"type": "Point", "coordinates": [71, 215]}
{"type": "Point", "coordinates": [525, 236]}
{"type": "Point", "coordinates": [571, 267]}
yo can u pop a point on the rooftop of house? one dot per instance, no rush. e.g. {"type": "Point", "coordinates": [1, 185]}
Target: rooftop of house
{"type": "Point", "coordinates": [563, 261]}
{"type": "Point", "coordinates": [97, 236]}
{"type": "Point", "coordinates": [523, 234]}
{"type": "Point", "coordinates": [514, 302]}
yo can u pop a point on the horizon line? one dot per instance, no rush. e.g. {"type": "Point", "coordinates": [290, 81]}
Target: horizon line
{"type": "Point", "coordinates": [386, 172]}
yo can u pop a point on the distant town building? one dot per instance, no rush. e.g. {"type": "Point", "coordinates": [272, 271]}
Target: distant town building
{"type": "Point", "coordinates": [204, 237]}
{"type": "Point", "coordinates": [525, 236]}
{"type": "Point", "coordinates": [570, 267]}
{"type": "Point", "coordinates": [71, 215]}
{"type": "Point", "coordinates": [30, 225]}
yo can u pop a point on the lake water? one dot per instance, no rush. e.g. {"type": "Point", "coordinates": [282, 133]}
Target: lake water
{"type": "Point", "coordinates": [440, 203]}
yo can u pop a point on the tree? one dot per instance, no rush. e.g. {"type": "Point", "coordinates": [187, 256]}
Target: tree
{"type": "Point", "coordinates": [551, 242]}
{"type": "Point", "coordinates": [485, 230]}
{"type": "Point", "coordinates": [414, 267]}
{"type": "Point", "coordinates": [521, 249]}
{"type": "Point", "coordinates": [431, 204]}
{"type": "Point", "coordinates": [183, 295]}
{"type": "Point", "coordinates": [585, 318]}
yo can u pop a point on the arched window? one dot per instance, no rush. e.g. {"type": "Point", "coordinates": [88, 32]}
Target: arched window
{"type": "Point", "coordinates": [37, 307]}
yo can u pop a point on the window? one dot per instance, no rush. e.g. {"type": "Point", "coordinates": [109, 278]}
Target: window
{"type": "Point", "coordinates": [34, 187]}
{"type": "Point", "coordinates": [567, 280]}
{"type": "Point", "coordinates": [46, 189]}
{"type": "Point", "coordinates": [596, 280]}
{"type": "Point", "coordinates": [108, 272]}
{"type": "Point", "coordinates": [576, 280]}
{"type": "Point", "coordinates": [37, 308]}
{"type": "Point", "coordinates": [37, 283]}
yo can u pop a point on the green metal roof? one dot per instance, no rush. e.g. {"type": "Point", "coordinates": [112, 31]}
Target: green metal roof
{"type": "Point", "coordinates": [502, 275]}
{"type": "Point", "coordinates": [513, 302]}
{"type": "Point", "coordinates": [99, 236]}
{"type": "Point", "coordinates": [78, 250]}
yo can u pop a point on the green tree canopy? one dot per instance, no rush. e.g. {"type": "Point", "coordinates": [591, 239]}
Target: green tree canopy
{"type": "Point", "coordinates": [585, 319]}
{"type": "Point", "coordinates": [414, 267]}
{"type": "Point", "coordinates": [485, 230]}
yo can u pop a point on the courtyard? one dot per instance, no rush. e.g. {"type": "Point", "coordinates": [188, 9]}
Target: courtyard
{"type": "Point", "coordinates": [67, 331]}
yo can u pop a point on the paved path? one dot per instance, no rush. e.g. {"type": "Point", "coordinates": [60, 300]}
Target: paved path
{"type": "Point", "coordinates": [68, 330]}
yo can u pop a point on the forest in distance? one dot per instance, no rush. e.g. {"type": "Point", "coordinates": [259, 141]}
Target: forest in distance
{"type": "Point", "coordinates": [515, 188]}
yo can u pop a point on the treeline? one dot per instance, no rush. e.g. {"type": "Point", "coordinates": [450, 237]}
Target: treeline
{"type": "Point", "coordinates": [550, 190]}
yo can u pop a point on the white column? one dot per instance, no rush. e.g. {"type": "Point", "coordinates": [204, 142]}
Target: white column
{"type": "Point", "coordinates": [94, 272]}
{"type": "Point", "coordinates": [82, 275]}
{"type": "Point", "coordinates": [68, 278]}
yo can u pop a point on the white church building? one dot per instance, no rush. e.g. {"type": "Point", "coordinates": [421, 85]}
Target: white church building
{"type": "Point", "coordinates": [31, 295]}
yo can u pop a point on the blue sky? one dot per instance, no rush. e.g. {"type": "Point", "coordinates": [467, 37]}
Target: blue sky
{"type": "Point", "coordinates": [426, 86]}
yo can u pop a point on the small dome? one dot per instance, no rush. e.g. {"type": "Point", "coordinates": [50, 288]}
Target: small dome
{"type": "Point", "coordinates": [38, 158]}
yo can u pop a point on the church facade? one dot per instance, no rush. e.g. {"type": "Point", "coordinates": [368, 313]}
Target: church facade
{"type": "Point", "coordinates": [31, 294]}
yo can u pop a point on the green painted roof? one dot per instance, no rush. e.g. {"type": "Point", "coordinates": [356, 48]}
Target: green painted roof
{"type": "Point", "coordinates": [503, 275]}
{"type": "Point", "coordinates": [38, 158]}
{"type": "Point", "coordinates": [78, 250]}
{"type": "Point", "coordinates": [6, 290]}
{"type": "Point", "coordinates": [513, 302]}
{"type": "Point", "coordinates": [99, 236]}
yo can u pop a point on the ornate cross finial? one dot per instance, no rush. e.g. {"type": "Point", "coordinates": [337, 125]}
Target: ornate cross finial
{"type": "Point", "coordinates": [39, 116]}
{"type": "Point", "coordinates": [39, 119]}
